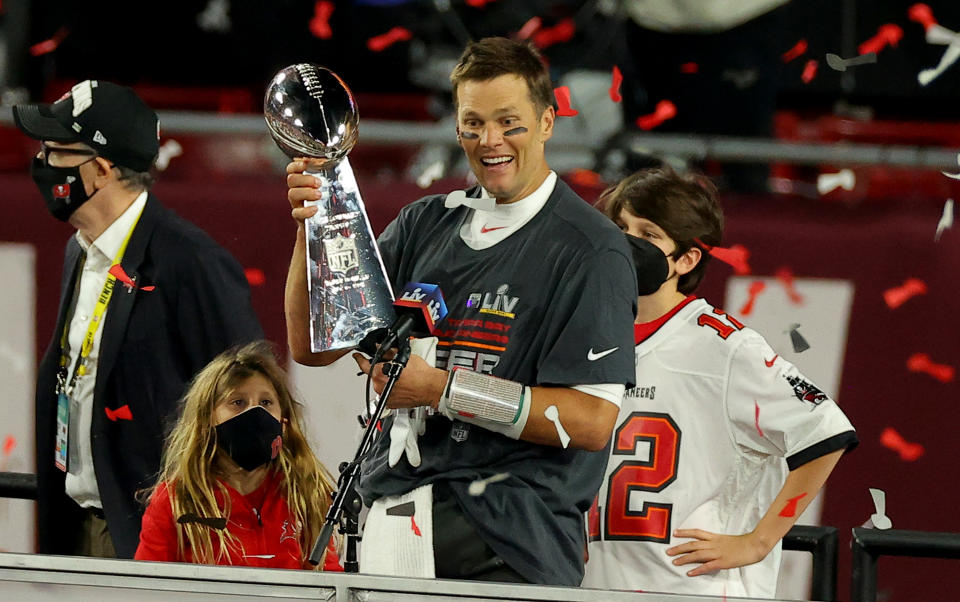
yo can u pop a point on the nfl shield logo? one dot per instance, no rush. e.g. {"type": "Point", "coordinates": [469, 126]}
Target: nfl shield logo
{"type": "Point", "coordinates": [61, 191]}
{"type": "Point", "coordinates": [341, 253]}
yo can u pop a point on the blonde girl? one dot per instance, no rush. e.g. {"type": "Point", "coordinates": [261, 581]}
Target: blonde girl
{"type": "Point", "coordinates": [239, 483]}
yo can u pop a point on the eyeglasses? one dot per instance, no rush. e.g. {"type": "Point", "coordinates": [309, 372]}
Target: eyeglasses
{"type": "Point", "coordinates": [65, 157]}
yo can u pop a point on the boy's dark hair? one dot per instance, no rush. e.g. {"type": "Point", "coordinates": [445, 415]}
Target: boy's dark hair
{"type": "Point", "coordinates": [492, 57]}
{"type": "Point", "coordinates": [684, 206]}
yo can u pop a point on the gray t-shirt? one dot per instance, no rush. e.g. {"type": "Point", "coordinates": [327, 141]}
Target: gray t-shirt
{"type": "Point", "coordinates": [534, 309]}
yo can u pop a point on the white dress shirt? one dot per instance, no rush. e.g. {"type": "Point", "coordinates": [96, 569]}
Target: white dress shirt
{"type": "Point", "coordinates": [81, 481]}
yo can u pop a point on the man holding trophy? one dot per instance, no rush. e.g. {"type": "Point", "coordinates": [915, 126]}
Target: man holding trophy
{"type": "Point", "coordinates": [541, 292]}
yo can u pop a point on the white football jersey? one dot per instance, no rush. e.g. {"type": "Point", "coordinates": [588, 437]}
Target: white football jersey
{"type": "Point", "coordinates": [704, 441]}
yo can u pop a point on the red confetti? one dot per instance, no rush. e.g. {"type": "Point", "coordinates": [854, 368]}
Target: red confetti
{"type": "Point", "coordinates": [785, 276]}
{"type": "Point", "coordinates": [798, 49]}
{"type": "Point", "coordinates": [121, 275]}
{"type": "Point", "coordinates": [413, 525]}
{"type": "Point", "coordinates": [615, 86]}
{"type": "Point", "coordinates": [664, 110]}
{"type": "Point", "coordinates": [586, 178]}
{"type": "Point", "coordinates": [121, 413]}
{"type": "Point", "coordinates": [563, 102]}
{"type": "Point", "coordinates": [898, 295]}
{"type": "Point", "coordinates": [891, 439]}
{"type": "Point", "coordinates": [51, 44]}
{"type": "Point", "coordinates": [921, 362]}
{"type": "Point", "coordinates": [9, 442]}
{"type": "Point", "coordinates": [888, 34]}
{"type": "Point", "coordinates": [320, 23]}
{"type": "Point", "coordinates": [385, 40]}
{"type": "Point", "coordinates": [755, 289]}
{"type": "Point", "coordinates": [756, 417]}
{"type": "Point", "coordinates": [809, 71]}
{"type": "Point", "coordinates": [561, 32]}
{"type": "Point", "coordinates": [791, 508]}
{"type": "Point", "coordinates": [922, 14]}
{"type": "Point", "coordinates": [736, 256]}
{"type": "Point", "coordinates": [255, 276]}
{"type": "Point", "coordinates": [689, 68]}
{"type": "Point", "coordinates": [529, 28]}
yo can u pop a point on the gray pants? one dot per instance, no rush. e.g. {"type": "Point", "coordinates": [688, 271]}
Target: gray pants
{"type": "Point", "coordinates": [93, 538]}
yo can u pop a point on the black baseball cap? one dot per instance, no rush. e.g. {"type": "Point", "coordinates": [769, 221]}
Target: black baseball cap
{"type": "Point", "coordinates": [109, 118]}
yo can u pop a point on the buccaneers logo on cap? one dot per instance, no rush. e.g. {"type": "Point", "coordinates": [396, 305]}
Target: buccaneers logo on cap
{"type": "Point", "coordinates": [61, 191]}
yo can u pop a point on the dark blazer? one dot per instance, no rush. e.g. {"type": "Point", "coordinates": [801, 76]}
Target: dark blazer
{"type": "Point", "coordinates": [153, 343]}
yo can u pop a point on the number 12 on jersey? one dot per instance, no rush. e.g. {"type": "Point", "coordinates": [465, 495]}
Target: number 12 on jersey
{"type": "Point", "coordinates": [652, 521]}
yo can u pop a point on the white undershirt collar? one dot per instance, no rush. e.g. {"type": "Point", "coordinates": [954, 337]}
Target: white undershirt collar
{"type": "Point", "coordinates": [483, 229]}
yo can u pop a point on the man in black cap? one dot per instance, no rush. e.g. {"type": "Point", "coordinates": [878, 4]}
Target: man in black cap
{"type": "Point", "coordinates": [147, 300]}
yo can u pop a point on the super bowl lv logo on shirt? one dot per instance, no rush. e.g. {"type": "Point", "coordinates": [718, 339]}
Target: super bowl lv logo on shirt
{"type": "Point", "coordinates": [479, 334]}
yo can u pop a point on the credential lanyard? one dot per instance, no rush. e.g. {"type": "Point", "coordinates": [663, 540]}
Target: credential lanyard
{"type": "Point", "coordinates": [80, 366]}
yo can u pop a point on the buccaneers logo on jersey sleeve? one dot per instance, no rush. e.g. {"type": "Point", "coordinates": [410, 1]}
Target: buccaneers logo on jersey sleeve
{"type": "Point", "coordinates": [806, 391]}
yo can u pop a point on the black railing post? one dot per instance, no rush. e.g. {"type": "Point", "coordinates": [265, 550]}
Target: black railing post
{"type": "Point", "coordinates": [821, 542]}
{"type": "Point", "coordinates": [863, 577]}
{"type": "Point", "coordinates": [869, 544]}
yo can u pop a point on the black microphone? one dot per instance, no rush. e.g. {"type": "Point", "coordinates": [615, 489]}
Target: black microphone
{"type": "Point", "coordinates": [419, 307]}
{"type": "Point", "coordinates": [650, 264]}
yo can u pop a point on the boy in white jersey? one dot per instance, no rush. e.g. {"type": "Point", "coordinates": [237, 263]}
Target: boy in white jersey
{"type": "Point", "coordinates": [722, 444]}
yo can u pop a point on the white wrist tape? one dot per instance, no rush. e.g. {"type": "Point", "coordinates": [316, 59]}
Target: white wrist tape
{"type": "Point", "coordinates": [494, 403]}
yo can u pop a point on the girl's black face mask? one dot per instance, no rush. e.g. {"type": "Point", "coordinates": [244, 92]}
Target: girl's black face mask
{"type": "Point", "coordinates": [62, 187]}
{"type": "Point", "coordinates": [251, 438]}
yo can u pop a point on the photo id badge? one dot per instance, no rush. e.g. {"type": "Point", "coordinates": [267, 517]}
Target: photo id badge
{"type": "Point", "coordinates": [63, 427]}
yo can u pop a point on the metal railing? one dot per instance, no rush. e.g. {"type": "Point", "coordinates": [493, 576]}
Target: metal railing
{"type": "Point", "coordinates": [869, 544]}
{"type": "Point", "coordinates": [822, 543]}
{"type": "Point", "coordinates": [21, 485]}
{"type": "Point", "coordinates": [574, 140]}
{"type": "Point", "coordinates": [28, 577]}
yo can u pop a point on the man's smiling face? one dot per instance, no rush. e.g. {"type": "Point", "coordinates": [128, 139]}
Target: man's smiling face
{"type": "Point", "coordinates": [503, 135]}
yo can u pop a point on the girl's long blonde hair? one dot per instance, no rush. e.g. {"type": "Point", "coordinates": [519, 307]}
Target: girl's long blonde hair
{"type": "Point", "coordinates": [189, 458]}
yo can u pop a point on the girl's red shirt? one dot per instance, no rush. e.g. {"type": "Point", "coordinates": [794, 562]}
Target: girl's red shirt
{"type": "Point", "coordinates": [269, 536]}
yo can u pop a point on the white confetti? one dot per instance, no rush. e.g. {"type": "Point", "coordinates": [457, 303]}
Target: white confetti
{"type": "Point", "coordinates": [170, 149]}
{"type": "Point", "coordinates": [827, 182]}
{"type": "Point", "coordinates": [553, 415]}
{"type": "Point", "coordinates": [879, 519]}
{"type": "Point", "coordinates": [215, 18]}
{"type": "Point", "coordinates": [837, 63]}
{"type": "Point", "coordinates": [432, 173]}
{"type": "Point", "coordinates": [955, 176]}
{"type": "Point", "coordinates": [946, 219]}
{"type": "Point", "coordinates": [940, 36]}
{"type": "Point", "coordinates": [480, 485]}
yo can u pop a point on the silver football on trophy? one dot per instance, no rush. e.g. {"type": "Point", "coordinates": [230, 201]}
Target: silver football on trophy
{"type": "Point", "coordinates": [311, 113]}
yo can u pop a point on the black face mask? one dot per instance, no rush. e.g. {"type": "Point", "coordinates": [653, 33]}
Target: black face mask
{"type": "Point", "coordinates": [251, 438]}
{"type": "Point", "coordinates": [650, 263]}
{"type": "Point", "coordinates": [62, 188]}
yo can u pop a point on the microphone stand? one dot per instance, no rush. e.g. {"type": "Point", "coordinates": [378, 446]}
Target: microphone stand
{"type": "Point", "coordinates": [346, 503]}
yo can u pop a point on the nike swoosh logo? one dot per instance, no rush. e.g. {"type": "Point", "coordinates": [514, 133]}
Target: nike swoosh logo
{"type": "Point", "coordinates": [484, 229]}
{"type": "Point", "coordinates": [769, 363]}
{"type": "Point", "coordinates": [595, 356]}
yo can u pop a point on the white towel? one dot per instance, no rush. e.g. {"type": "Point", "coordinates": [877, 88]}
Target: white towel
{"type": "Point", "coordinates": [400, 545]}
